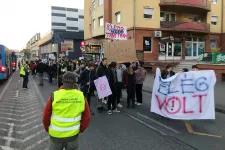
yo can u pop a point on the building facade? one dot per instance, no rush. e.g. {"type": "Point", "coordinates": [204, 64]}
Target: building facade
{"type": "Point", "coordinates": [70, 23]}
{"type": "Point", "coordinates": [33, 47]}
{"type": "Point", "coordinates": [162, 29]}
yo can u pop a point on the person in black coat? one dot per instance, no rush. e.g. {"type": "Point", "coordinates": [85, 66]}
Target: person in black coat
{"type": "Point", "coordinates": [87, 86]}
{"type": "Point", "coordinates": [113, 81]}
{"type": "Point", "coordinates": [168, 72]}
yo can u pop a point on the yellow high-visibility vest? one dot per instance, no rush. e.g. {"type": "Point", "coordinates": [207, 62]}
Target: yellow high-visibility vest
{"type": "Point", "coordinates": [22, 71]}
{"type": "Point", "coordinates": [67, 109]}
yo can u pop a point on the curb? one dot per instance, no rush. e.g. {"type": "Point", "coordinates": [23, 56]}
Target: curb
{"type": "Point", "coordinates": [217, 109]}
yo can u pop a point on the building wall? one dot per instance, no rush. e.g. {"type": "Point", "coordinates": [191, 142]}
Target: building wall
{"type": "Point", "coordinates": [96, 13]}
{"type": "Point", "coordinates": [147, 23]}
{"type": "Point", "coordinates": [87, 19]}
{"type": "Point", "coordinates": [67, 19]}
{"type": "Point", "coordinates": [126, 9]}
{"type": "Point", "coordinates": [215, 11]}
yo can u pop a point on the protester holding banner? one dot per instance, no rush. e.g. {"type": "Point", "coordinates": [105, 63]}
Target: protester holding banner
{"type": "Point", "coordinates": [130, 82]}
{"type": "Point", "coordinates": [120, 86]}
{"type": "Point", "coordinates": [168, 72]}
{"type": "Point", "coordinates": [140, 75]}
{"type": "Point", "coordinates": [87, 78]}
{"type": "Point", "coordinates": [112, 78]}
{"type": "Point", "coordinates": [194, 68]}
{"type": "Point", "coordinates": [101, 71]}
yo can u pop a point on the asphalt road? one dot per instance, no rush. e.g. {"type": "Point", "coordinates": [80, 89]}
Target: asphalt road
{"type": "Point", "coordinates": [132, 129]}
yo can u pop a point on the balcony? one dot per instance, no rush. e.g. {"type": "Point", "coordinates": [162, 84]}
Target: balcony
{"type": "Point", "coordinates": [204, 5]}
{"type": "Point", "coordinates": [185, 26]}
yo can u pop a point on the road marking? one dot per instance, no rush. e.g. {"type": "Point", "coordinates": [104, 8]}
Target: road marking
{"type": "Point", "coordinates": [37, 120]}
{"type": "Point", "coordinates": [159, 123]}
{"type": "Point", "coordinates": [3, 129]}
{"type": "Point", "coordinates": [17, 111]}
{"type": "Point", "coordinates": [17, 93]}
{"type": "Point", "coordinates": [20, 107]}
{"type": "Point", "coordinates": [33, 135]}
{"type": "Point", "coordinates": [9, 134]}
{"type": "Point", "coordinates": [20, 120]}
{"type": "Point", "coordinates": [21, 115]}
{"type": "Point", "coordinates": [31, 147]}
{"type": "Point", "coordinates": [39, 93]}
{"type": "Point", "coordinates": [7, 148]}
{"type": "Point", "coordinates": [3, 91]}
{"type": "Point", "coordinates": [149, 126]}
{"type": "Point", "coordinates": [25, 131]}
{"type": "Point", "coordinates": [190, 130]}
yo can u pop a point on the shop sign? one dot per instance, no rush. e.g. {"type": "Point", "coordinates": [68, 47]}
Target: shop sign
{"type": "Point", "coordinates": [67, 46]}
{"type": "Point", "coordinates": [147, 44]}
{"type": "Point", "coordinates": [218, 57]}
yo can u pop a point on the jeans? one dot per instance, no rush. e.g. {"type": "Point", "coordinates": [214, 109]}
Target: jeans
{"type": "Point", "coordinates": [88, 97]}
{"type": "Point", "coordinates": [130, 95]}
{"type": "Point", "coordinates": [25, 81]}
{"type": "Point", "coordinates": [50, 75]}
{"type": "Point", "coordinates": [139, 92]}
{"type": "Point", "coordinates": [41, 81]}
{"type": "Point", "coordinates": [119, 92]}
{"type": "Point", "coordinates": [112, 98]}
{"type": "Point", "coordinates": [72, 145]}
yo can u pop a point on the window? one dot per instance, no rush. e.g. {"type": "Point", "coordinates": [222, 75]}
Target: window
{"type": "Point", "coordinates": [147, 44]}
{"type": "Point", "coordinates": [214, 20]}
{"type": "Point", "coordinates": [100, 2]}
{"type": "Point", "coordinates": [167, 16]}
{"type": "Point", "coordinates": [93, 23]}
{"type": "Point", "coordinates": [100, 21]}
{"type": "Point", "coordinates": [148, 13]}
{"type": "Point", "coordinates": [90, 11]}
{"type": "Point", "coordinates": [93, 4]}
{"type": "Point", "coordinates": [117, 17]}
{"type": "Point", "coordinates": [90, 28]}
{"type": "Point", "coordinates": [214, 1]}
{"type": "Point", "coordinates": [213, 44]}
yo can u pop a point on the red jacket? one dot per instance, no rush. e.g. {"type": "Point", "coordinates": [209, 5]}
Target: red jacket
{"type": "Point", "coordinates": [85, 120]}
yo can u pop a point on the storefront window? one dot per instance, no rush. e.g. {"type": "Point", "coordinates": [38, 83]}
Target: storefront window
{"type": "Point", "coordinates": [177, 49]}
{"type": "Point", "coordinates": [188, 48]}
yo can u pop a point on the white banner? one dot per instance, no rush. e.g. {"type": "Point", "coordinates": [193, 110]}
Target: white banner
{"type": "Point", "coordinates": [115, 32]}
{"type": "Point", "coordinates": [102, 86]}
{"type": "Point", "coordinates": [184, 96]}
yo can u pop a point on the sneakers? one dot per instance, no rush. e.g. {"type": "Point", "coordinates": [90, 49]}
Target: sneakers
{"type": "Point", "coordinates": [110, 112]}
{"type": "Point", "coordinates": [116, 111]}
{"type": "Point", "coordinates": [139, 104]}
{"type": "Point", "coordinates": [120, 106]}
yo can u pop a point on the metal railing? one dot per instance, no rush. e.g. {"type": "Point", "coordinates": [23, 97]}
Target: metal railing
{"type": "Point", "coordinates": [205, 3]}
{"type": "Point", "coordinates": [174, 24]}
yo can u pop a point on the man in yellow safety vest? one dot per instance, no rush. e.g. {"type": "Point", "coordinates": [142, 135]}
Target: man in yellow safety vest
{"type": "Point", "coordinates": [66, 114]}
{"type": "Point", "coordinates": [24, 72]}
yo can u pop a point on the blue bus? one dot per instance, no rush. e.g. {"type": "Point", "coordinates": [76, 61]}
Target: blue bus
{"type": "Point", "coordinates": [7, 61]}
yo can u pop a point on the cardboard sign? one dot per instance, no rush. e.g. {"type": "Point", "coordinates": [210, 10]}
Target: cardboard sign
{"type": "Point", "coordinates": [184, 96]}
{"type": "Point", "coordinates": [102, 86]}
{"type": "Point", "coordinates": [120, 51]}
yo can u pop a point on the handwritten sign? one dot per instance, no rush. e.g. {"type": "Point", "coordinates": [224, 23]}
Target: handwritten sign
{"type": "Point", "coordinates": [120, 51]}
{"type": "Point", "coordinates": [102, 86]}
{"type": "Point", "coordinates": [115, 32]}
{"type": "Point", "coordinates": [185, 96]}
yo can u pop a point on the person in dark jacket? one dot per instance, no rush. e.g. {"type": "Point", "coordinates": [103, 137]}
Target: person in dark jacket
{"type": "Point", "coordinates": [101, 71]}
{"type": "Point", "coordinates": [130, 83]}
{"type": "Point", "coordinates": [168, 72]}
{"type": "Point", "coordinates": [113, 81]}
{"type": "Point", "coordinates": [50, 72]}
{"type": "Point", "coordinates": [40, 68]}
{"type": "Point", "coordinates": [87, 78]}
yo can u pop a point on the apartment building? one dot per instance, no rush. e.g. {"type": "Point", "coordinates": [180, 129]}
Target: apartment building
{"type": "Point", "coordinates": [33, 47]}
{"type": "Point", "coordinates": [162, 29]}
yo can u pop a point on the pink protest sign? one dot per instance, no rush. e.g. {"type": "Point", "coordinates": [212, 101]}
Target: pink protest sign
{"type": "Point", "coordinates": [102, 86]}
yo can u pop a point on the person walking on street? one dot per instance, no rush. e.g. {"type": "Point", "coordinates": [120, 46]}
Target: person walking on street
{"type": "Point", "coordinates": [87, 78]}
{"type": "Point", "coordinates": [113, 85]}
{"type": "Point", "coordinates": [120, 86]}
{"type": "Point", "coordinates": [66, 115]}
{"type": "Point", "coordinates": [140, 75]}
{"type": "Point", "coordinates": [40, 68]}
{"type": "Point", "coordinates": [101, 71]}
{"type": "Point", "coordinates": [24, 72]}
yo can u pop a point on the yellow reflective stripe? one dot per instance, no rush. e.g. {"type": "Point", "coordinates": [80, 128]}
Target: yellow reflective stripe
{"type": "Point", "coordinates": [76, 119]}
{"type": "Point", "coordinates": [77, 127]}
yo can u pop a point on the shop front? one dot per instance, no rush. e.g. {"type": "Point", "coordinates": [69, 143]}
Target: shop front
{"type": "Point", "coordinates": [170, 48]}
{"type": "Point", "coordinates": [194, 46]}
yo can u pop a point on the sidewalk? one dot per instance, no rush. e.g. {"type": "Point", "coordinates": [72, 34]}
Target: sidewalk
{"type": "Point", "coordinates": [219, 89]}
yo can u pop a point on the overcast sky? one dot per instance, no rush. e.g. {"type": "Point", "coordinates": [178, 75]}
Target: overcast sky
{"type": "Point", "coordinates": [22, 19]}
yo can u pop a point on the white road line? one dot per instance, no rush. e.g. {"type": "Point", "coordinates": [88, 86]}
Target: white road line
{"type": "Point", "coordinates": [19, 106]}
{"type": "Point", "coordinates": [33, 135]}
{"type": "Point", "coordinates": [17, 93]}
{"type": "Point", "coordinates": [1, 129]}
{"type": "Point", "coordinates": [149, 126]}
{"type": "Point", "coordinates": [9, 134]}
{"type": "Point", "coordinates": [31, 147]}
{"type": "Point", "coordinates": [17, 111]}
{"type": "Point", "coordinates": [7, 85]}
{"type": "Point", "coordinates": [37, 120]}
{"type": "Point", "coordinates": [163, 125]}
{"type": "Point", "coordinates": [21, 115]}
{"type": "Point", "coordinates": [7, 148]}
{"type": "Point", "coordinates": [39, 93]}
{"type": "Point", "coordinates": [20, 120]}
{"type": "Point", "coordinates": [25, 131]}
